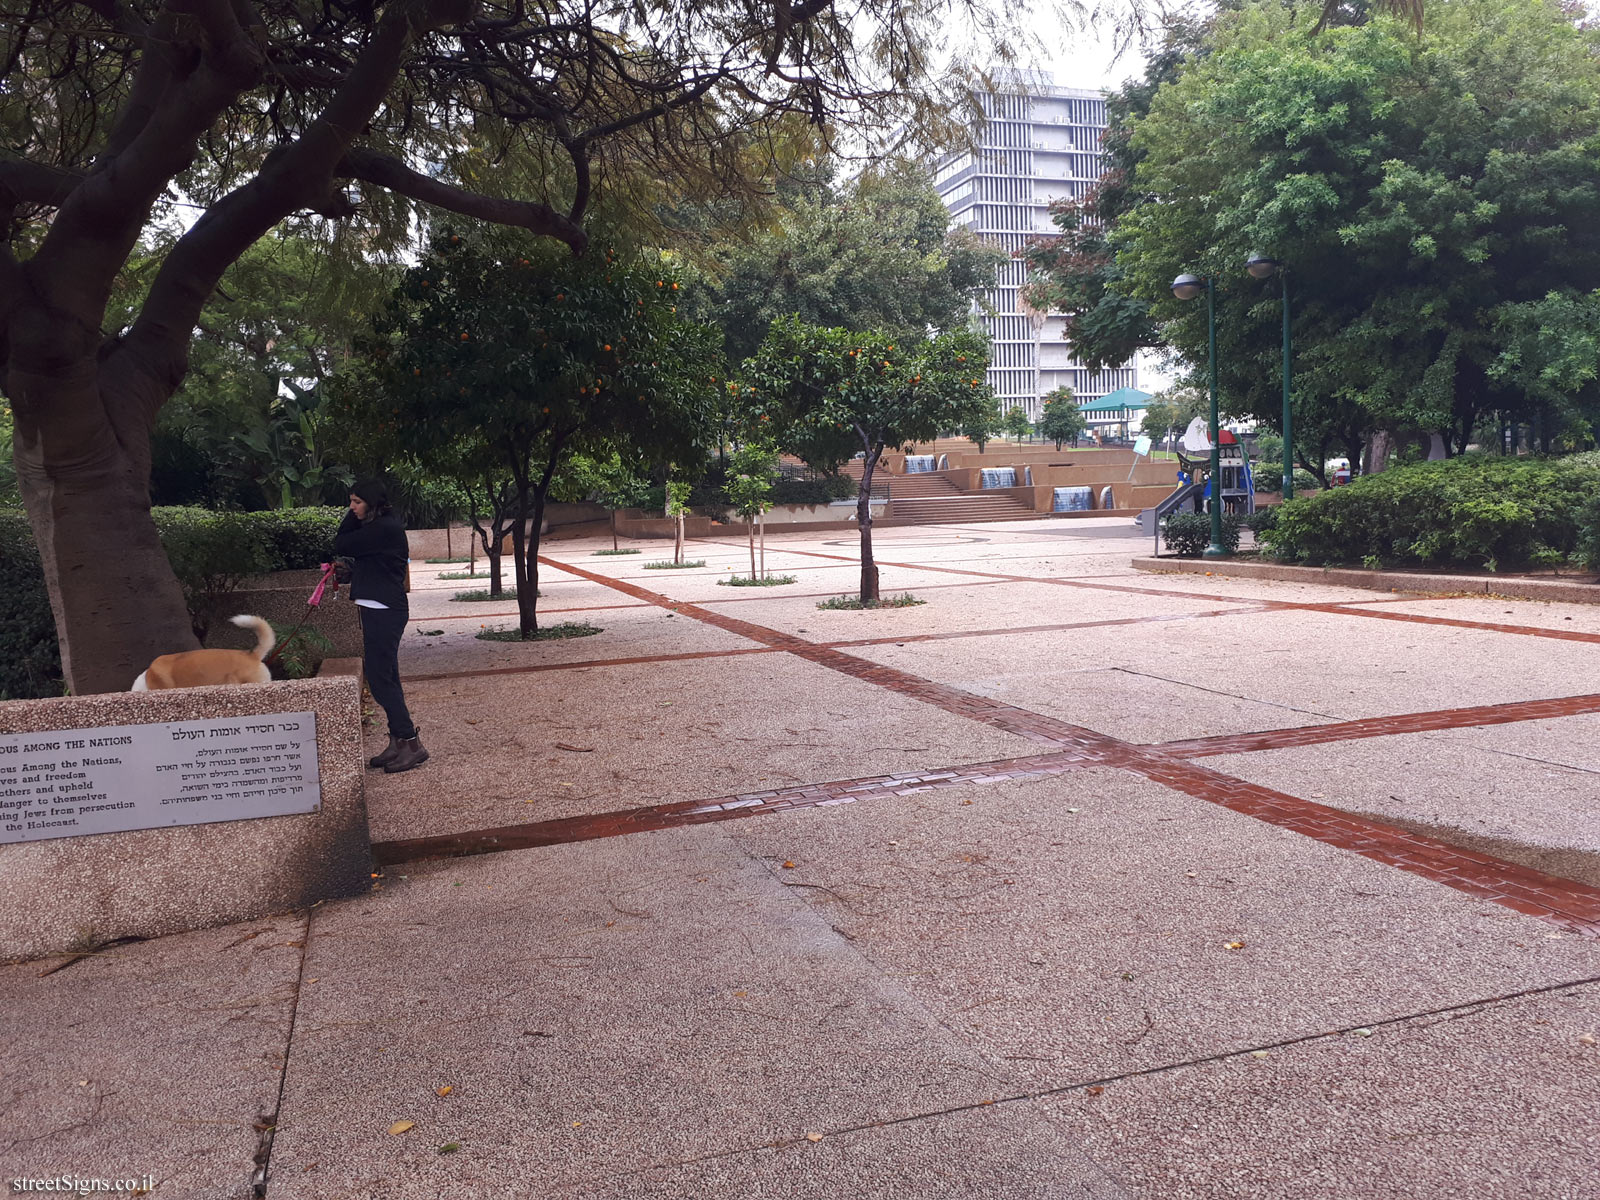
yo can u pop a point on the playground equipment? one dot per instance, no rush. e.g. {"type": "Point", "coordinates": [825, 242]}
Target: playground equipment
{"type": "Point", "coordinates": [1238, 486]}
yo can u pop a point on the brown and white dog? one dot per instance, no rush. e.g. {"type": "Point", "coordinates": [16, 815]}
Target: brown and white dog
{"type": "Point", "coordinates": [199, 668]}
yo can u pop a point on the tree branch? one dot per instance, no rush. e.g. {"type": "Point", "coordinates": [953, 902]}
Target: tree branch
{"type": "Point", "coordinates": [24, 182]}
{"type": "Point", "coordinates": [291, 178]}
{"type": "Point", "coordinates": [384, 171]}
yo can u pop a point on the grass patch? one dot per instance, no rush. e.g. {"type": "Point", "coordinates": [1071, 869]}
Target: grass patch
{"type": "Point", "coordinates": [903, 600]}
{"type": "Point", "coordinates": [446, 560]}
{"type": "Point", "coordinates": [546, 633]}
{"type": "Point", "coordinates": [429, 632]}
{"type": "Point", "coordinates": [672, 566]}
{"type": "Point", "coordinates": [483, 594]}
{"type": "Point", "coordinates": [463, 574]}
{"type": "Point", "coordinates": [601, 553]}
{"type": "Point", "coordinates": [747, 581]}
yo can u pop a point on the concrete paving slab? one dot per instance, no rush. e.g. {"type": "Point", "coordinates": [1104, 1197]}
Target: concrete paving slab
{"type": "Point", "coordinates": [451, 646]}
{"type": "Point", "coordinates": [1493, 1103]}
{"type": "Point", "coordinates": [1566, 741]}
{"type": "Point", "coordinates": [1540, 814]}
{"type": "Point", "coordinates": [1322, 663]}
{"type": "Point", "coordinates": [1579, 618]}
{"type": "Point", "coordinates": [960, 609]}
{"type": "Point", "coordinates": [598, 1009]}
{"type": "Point", "coordinates": [157, 1058]}
{"type": "Point", "coordinates": [645, 734]}
{"type": "Point", "coordinates": [1045, 673]}
{"type": "Point", "coordinates": [1015, 1151]}
{"type": "Point", "coordinates": [1074, 945]}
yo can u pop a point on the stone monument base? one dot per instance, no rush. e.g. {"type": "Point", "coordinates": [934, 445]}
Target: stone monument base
{"type": "Point", "coordinates": [77, 892]}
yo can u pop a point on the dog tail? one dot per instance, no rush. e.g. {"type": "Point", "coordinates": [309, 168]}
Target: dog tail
{"type": "Point", "coordinates": [265, 638]}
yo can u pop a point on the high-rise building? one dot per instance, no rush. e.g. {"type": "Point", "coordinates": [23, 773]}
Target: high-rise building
{"type": "Point", "coordinates": [1038, 143]}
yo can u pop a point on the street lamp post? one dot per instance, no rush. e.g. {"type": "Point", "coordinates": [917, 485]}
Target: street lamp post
{"type": "Point", "coordinates": [1187, 287]}
{"type": "Point", "coordinates": [1262, 267]}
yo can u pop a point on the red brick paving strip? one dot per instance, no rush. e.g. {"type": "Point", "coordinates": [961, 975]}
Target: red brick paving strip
{"type": "Point", "coordinates": [1369, 727]}
{"type": "Point", "coordinates": [695, 812]}
{"type": "Point", "coordinates": [1571, 905]}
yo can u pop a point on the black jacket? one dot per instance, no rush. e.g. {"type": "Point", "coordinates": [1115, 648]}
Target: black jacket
{"type": "Point", "coordinates": [380, 552]}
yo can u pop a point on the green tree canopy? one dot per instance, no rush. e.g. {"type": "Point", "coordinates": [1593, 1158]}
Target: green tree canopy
{"type": "Point", "coordinates": [1435, 197]}
{"type": "Point", "coordinates": [1062, 420]}
{"type": "Point", "coordinates": [879, 255]}
{"type": "Point", "coordinates": [828, 394]}
{"type": "Point", "coordinates": [1016, 423]}
{"type": "Point", "coordinates": [351, 117]}
{"type": "Point", "coordinates": [1417, 188]}
{"type": "Point", "coordinates": [504, 350]}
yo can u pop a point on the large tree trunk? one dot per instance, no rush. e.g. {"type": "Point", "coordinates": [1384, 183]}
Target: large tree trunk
{"type": "Point", "coordinates": [83, 467]}
{"type": "Point", "coordinates": [869, 569]}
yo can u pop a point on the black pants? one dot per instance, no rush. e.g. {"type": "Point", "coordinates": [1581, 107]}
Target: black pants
{"type": "Point", "coordinates": [381, 630]}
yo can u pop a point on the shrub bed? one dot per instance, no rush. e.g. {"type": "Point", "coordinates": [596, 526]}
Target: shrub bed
{"type": "Point", "coordinates": [1477, 511]}
{"type": "Point", "coordinates": [1187, 534]}
{"type": "Point", "coordinates": [30, 659]}
{"type": "Point", "coordinates": [210, 553]}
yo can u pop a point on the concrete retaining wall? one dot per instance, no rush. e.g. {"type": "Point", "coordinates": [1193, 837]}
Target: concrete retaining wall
{"type": "Point", "coordinates": [75, 893]}
{"type": "Point", "coordinates": [432, 543]}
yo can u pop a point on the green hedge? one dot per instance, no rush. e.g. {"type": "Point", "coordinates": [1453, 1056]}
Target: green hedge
{"type": "Point", "coordinates": [814, 491]}
{"type": "Point", "coordinates": [210, 553]}
{"type": "Point", "coordinates": [30, 659]}
{"type": "Point", "coordinates": [1477, 511]}
{"type": "Point", "coordinates": [1187, 534]}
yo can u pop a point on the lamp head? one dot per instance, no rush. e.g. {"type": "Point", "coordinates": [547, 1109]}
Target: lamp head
{"type": "Point", "coordinates": [1262, 267]}
{"type": "Point", "coordinates": [1187, 287]}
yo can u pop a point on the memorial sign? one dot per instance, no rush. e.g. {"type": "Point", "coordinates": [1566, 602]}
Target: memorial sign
{"type": "Point", "coordinates": [70, 782]}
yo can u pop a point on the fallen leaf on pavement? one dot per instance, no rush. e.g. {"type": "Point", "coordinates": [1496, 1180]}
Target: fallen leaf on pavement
{"type": "Point", "coordinates": [1586, 1039]}
{"type": "Point", "coordinates": [575, 749]}
{"type": "Point", "coordinates": [1234, 945]}
{"type": "Point", "coordinates": [1259, 1054]}
{"type": "Point", "coordinates": [813, 1137]}
{"type": "Point", "coordinates": [1094, 1091]}
{"type": "Point", "coordinates": [400, 1127]}
{"type": "Point", "coordinates": [444, 1091]}
{"type": "Point", "coordinates": [449, 1148]}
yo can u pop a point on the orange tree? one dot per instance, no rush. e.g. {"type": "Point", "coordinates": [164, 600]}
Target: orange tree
{"type": "Point", "coordinates": [829, 394]}
{"type": "Point", "coordinates": [516, 352]}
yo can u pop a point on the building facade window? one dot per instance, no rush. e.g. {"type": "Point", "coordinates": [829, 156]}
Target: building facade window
{"type": "Point", "coordinates": [1037, 143]}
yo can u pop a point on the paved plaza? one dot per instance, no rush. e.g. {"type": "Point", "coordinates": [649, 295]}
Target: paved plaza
{"type": "Point", "coordinates": [1072, 881]}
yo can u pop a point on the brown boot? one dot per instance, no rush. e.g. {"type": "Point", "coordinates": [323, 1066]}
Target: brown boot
{"type": "Point", "coordinates": [410, 753]}
{"type": "Point", "coordinates": [387, 756]}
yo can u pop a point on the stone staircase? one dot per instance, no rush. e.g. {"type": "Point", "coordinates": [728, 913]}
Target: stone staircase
{"type": "Point", "coordinates": [931, 499]}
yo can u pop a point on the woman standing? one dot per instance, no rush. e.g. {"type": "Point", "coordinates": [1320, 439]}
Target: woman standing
{"type": "Point", "coordinates": [374, 537]}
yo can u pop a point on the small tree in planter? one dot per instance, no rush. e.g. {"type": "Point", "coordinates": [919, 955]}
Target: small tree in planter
{"type": "Point", "coordinates": [749, 490]}
{"type": "Point", "coordinates": [621, 488]}
{"type": "Point", "coordinates": [828, 393]}
{"type": "Point", "coordinates": [1062, 420]}
{"type": "Point", "coordinates": [677, 510]}
{"type": "Point", "coordinates": [1016, 423]}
